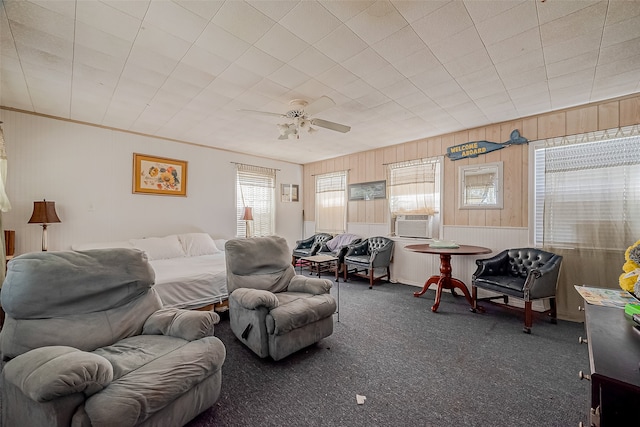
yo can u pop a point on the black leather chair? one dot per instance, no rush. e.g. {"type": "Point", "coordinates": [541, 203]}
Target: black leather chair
{"type": "Point", "coordinates": [363, 258]}
{"type": "Point", "coordinates": [526, 273]}
{"type": "Point", "coordinates": [309, 246]}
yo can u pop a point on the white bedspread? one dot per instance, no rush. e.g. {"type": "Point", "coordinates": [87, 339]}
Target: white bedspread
{"type": "Point", "coordinates": [191, 282]}
{"type": "Point", "coordinates": [190, 267]}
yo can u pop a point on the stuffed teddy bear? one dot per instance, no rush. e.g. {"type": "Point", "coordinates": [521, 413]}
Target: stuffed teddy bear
{"type": "Point", "coordinates": [630, 279]}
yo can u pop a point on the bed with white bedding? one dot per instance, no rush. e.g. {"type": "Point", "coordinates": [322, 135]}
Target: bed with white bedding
{"type": "Point", "coordinates": [198, 282]}
{"type": "Point", "coordinates": [190, 268]}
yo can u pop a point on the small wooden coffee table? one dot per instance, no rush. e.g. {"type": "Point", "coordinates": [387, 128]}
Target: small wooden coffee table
{"type": "Point", "coordinates": [320, 263]}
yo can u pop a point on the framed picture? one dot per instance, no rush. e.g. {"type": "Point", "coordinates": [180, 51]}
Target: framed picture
{"type": "Point", "coordinates": [159, 175]}
{"type": "Point", "coordinates": [289, 192]}
{"type": "Point", "coordinates": [368, 190]}
{"type": "Point", "coordinates": [481, 186]}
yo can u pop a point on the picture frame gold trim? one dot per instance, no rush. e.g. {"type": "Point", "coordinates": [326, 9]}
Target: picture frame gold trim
{"type": "Point", "coordinates": [159, 175]}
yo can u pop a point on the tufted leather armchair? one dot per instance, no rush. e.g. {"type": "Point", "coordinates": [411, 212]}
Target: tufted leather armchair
{"type": "Point", "coordinates": [526, 273]}
{"type": "Point", "coordinates": [309, 246]}
{"type": "Point", "coordinates": [364, 257]}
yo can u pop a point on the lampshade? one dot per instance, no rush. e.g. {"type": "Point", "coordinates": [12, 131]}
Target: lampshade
{"type": "Point", "coordinates": [44, 213]}
{"type": "Point", "coordinates": [247, 215]}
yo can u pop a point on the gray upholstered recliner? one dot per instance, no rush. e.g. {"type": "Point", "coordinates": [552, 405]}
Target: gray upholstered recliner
{"type": "Point", "coordinates": [272, 310]}
{"type": "Point", "coordinates": [309, 246]}
{"type": "Point", "coordinates": [87, 343]}
{"type": "Point", "coordinates": [363, 258]}
{"type": "Point", "coordinates": [526, 273]}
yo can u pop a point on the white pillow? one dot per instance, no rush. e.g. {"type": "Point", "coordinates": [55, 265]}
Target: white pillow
{"type": "Point", "coordinates": [160, 247]}
{"type": "Point", "coordinates": [101, 245]}
{"type": "Point", "coordinates": [220, 244]}
{"type": "Point", "coordinates": [196, 244]}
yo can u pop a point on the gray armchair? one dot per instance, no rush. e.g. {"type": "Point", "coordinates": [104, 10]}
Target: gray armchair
{"type": "Point", "coordinates": [309, 246]}
{"type": "Point", "coordinates": [526, 273]}
{"type": "Point", "coordinates": [87, 342]}
{"type": "Point", "coordinates": [272, 310]}
{"type": "Point", "coordinates": [363, 258]}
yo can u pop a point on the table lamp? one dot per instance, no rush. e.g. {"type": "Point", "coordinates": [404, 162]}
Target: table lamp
{"type": "Point", "coordinates": [247, 216]}
{"type": "Point", "coordinates": [44, 213]}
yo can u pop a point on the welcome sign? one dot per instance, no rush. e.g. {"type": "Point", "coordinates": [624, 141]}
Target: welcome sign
{"type": "Point", "coordinates": [473, 149]}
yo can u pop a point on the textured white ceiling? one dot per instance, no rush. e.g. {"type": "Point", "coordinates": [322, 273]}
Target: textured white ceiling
{"type": "Point", "coordinates": [397, 70]}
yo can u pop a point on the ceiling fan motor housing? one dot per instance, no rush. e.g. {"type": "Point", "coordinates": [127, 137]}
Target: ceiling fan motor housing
{"type": "Point", "coordinates": [298, 111]}
{"type": "Point", "coordinates": [292, 114]}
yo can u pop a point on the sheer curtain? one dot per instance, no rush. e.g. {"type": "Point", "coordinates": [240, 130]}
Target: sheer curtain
{"type": "Point", "coordinates": [255, 188]}
{"type": "Point", "coordinates": [331, 202]}
{"type": "Point", "coordinates": [415, 188]}
{"type": "Point", "coordinates": [5, 206]}
{"type": "Point", "coordinates": [587, 208]}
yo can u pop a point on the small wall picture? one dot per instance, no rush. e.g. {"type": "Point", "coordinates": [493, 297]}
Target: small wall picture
{"type": "Point", "coordinates": [289, 192]}
{"type": "Point", "coordinates": [159, 175]}
{"type": "Point", "coordinates": [368, 190]}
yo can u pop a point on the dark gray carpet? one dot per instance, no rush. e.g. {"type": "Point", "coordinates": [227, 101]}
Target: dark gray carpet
{"type": "Point", "coordinates": [415, 367]}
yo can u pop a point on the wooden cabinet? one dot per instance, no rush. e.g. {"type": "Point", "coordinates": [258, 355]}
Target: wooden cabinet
{"type": "Point", "coordinates": [614, 358]}
{"type": "Point", "coordinates": [9, 243]}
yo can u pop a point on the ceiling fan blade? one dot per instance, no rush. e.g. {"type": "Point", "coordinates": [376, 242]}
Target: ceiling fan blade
{"type": "Point", "coordinates": [265, 113]}
{"type": "Point", "coordinates": [318, 105]}
{"type": "Point", "coordinates": [330, 125]}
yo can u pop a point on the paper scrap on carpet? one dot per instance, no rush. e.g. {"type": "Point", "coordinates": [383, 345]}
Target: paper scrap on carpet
{"type": "Point", "coordinates": [360, 399]}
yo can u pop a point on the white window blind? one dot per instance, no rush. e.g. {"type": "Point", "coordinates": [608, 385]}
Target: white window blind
{"type": "Point", "coordinates": [255, 188]}
{"type": "Point", "coordinates": [331, 202]}
{"type": "Point", "coordinates": [587, 191]}
{"type": "Point", "coordinates": [414, 187]}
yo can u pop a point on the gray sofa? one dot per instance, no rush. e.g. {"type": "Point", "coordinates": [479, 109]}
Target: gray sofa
{"type": "Point", "coordinates": [272, 310]}
{"type": "Point", "coordinates": [86, 342]}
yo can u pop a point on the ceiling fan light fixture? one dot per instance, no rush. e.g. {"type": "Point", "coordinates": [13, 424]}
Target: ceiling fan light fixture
{"type": "Point", "coordinates": [301, 117]}
{"type": "Point", "coordinates": [283, 128]}
{"type": "Point", "coordinates": [288, 131]}
{"type": "Point", "coordinates": [304, 124]}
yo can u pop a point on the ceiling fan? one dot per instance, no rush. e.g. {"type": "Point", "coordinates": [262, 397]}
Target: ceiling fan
{"type": "Point", "coordinates": [301, 120]}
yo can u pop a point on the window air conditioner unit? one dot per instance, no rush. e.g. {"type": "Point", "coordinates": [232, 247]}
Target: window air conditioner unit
{"type": "Point", "coordinates": [414, 226]}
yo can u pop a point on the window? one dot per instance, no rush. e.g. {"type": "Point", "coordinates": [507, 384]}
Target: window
{"type": "Point", "coordinates": [331, 203]}
{"type": "Point", "coordinates": [587, 191]}
{"type": "Point", "coordinates": [415, 189]}
{"type": "Point", "coordinates": [255, 188]}
{"type": "Point", "coordinates": [481, 186]}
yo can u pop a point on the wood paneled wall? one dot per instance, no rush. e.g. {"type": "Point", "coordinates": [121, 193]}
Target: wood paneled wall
{"type": "Point", "coordinates": [369, 165]}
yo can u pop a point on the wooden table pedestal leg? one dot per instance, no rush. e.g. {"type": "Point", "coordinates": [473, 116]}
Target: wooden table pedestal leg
{"type": "Point", "coordinates": [430, 281]}
{"type": "Point", "coordinates": [455, 283]}
{"type": "Point", "coordinates": [444, 281]}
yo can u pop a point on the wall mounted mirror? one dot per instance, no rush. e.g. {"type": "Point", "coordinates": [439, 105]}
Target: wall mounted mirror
{"type": "Point", "coordinates": [481, 186]}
